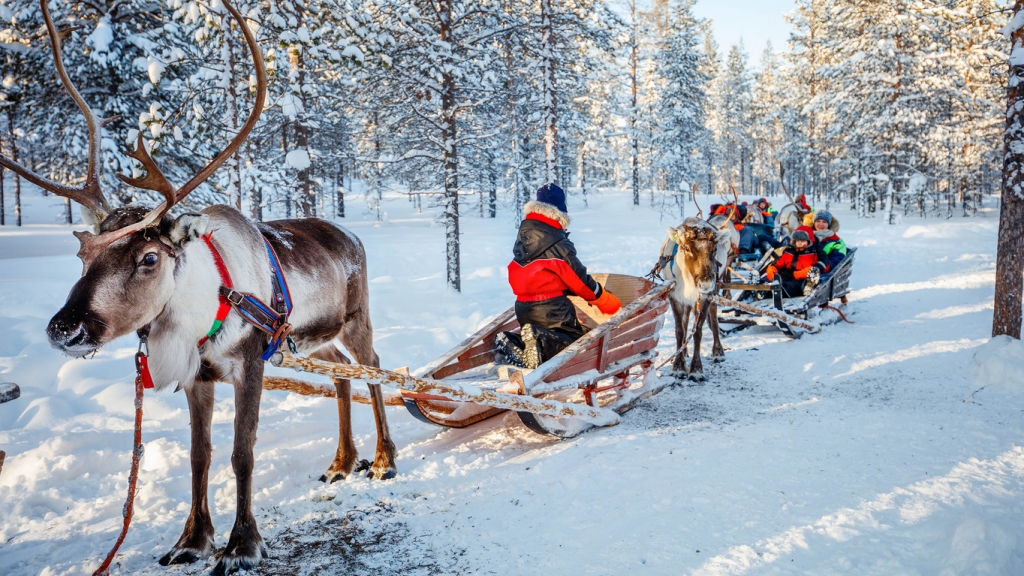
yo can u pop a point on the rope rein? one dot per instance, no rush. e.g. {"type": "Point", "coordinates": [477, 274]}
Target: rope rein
{"type": "Point", "coordinates": [838, 311]}
{"type": "Point", "coordinates": [143, 380]}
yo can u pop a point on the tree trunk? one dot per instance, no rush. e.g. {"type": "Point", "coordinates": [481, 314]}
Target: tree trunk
{"type": "Point", "coordinates": [451, 160]}
{"type": "Point", "coordinates": [550, 93]}
{"type": "Point", "coordinates": [634, 145]}
{"type": "Point", "coordinates": [255, 193]}
{"type": "Point", "coordinates": [492, 192]}
{"type": "Point", "coordinates": [340, 210]}
{"type": "Point", "coordinates": [14, 156]}
{"type": "Point", "coordinates": [234, 164]}
{"type": "Point", "coordinates": [2, 208]}
{"type": "Point", "coordinates": [287, 189]}
{"type": "Point", "coordinates": [1006, 316]}
{"type": "Point", "coordinates": [581, 173]}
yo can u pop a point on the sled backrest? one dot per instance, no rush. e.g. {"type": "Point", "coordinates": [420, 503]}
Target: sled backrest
{"type": "Point", "coordinates": [634, 335]}
{"type": "Point", "coordinates": [626, 288]}
{"type": "Point", "coordinates": [836, 284]}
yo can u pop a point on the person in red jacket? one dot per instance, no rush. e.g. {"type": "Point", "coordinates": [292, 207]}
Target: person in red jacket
{"type": "Point", "coordinates": [543, 271]}
{"type": "Point", "coordinates": [800, 265]}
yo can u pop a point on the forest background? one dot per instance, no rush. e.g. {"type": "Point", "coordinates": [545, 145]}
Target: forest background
{"type": "Point", "coordinates": [894, 107]}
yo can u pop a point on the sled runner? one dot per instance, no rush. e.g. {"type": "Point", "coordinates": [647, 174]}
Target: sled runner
{"type": "Point", "coordinates": [590, 383]}
{"type": "Point", "coordinates": [794, 316]}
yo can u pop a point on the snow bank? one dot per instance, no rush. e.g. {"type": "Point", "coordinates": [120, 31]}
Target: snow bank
{"type": "Point", "coordinates": [1000, 364]}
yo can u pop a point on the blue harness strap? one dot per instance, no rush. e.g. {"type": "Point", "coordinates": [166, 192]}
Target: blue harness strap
{"type": "Point", "coordinates": [272, 319]}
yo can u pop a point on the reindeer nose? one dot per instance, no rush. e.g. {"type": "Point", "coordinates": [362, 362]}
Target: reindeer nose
{"type": "Point", "coordinates": [64, 336]}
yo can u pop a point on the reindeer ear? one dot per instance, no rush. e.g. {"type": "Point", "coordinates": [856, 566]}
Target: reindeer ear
{"type": "Point", "coordinates": [186, 228]}
{"type": "Point", "coordinates": [673, 235]}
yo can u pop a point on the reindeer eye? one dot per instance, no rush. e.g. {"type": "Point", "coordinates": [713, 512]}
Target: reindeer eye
{"type": "Point", "coordinates": [149, 259]}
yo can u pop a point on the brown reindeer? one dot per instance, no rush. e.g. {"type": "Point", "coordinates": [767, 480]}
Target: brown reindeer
{"type": "Point", "coordinates": [147, 271]}
{"type": "Point", "coordinates": [693, 256]}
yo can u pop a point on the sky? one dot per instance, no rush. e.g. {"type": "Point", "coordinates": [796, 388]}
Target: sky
{"type": "Point", "coordinates": [755, 21]}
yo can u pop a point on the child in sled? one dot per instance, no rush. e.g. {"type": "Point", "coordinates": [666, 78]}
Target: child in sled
{"type": "Point", "coordinates": [800, 265]}
{"type": "Point", "coordinates": [542, 273]}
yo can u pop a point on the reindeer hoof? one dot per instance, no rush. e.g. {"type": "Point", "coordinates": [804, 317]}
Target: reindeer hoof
{"type": "Point", "coordinates": [718, 358]}
{"type": "Point", "coordinates": [241, 554]}
{"type": "Point", "coordinates": [332, 478]}
{"type": "Point", "coordinates": [178, 557]}
{"type": "Point", "coordinates": [697, 375]}
{"type": "Point", "coordinates": [338, 471]}
{"type": "Point", "coordinates": [363, 466]}
{"type": "Point", "coordinates": [382, 473]}
{"type": "Point", "coordinates": [185, 552]}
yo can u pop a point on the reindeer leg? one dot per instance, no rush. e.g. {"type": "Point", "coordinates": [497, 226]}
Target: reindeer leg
{"type": "Point", "coordinates": [346, 457]}
{"type": "Point", "coordinates": [357, 336]}
{"type": "Point", "coordinates": [681, 315]}
{"type": "Point", "coordinates": [696, 367]}
{"type": "Point", "coordinates": [245, 547]}
{"type": "Point", "coordinates": [197, 539]}
{"type": "Point", "coordinates": [717, 352]}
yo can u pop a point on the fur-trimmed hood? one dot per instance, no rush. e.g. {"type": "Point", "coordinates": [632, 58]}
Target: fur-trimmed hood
{"type": "Point", "coordinates": [545, 209]}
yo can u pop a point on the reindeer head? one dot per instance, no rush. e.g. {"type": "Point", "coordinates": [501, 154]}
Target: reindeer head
{"type": "Point", "coordinates": [128, 273]}
{"type": "Point", "coordinates": [127, 284]}
{"type": "Point", "coordinates": [698, 242]}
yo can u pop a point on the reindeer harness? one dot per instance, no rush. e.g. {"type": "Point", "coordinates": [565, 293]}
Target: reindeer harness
{"type": "Point", "coordinates": [271, 319]}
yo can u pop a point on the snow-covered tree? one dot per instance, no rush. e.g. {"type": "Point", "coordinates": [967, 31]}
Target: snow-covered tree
{"type": "Point", "coordinates": [682, 126]}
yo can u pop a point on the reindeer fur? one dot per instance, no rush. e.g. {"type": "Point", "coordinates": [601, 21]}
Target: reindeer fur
{"type": "Point", "coordinates": [325, 267]}
{"type": "Point", "coordinates": [701, 246]}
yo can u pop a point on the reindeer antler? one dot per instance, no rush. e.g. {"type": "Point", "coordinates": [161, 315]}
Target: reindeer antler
{"type": "Point", "coordinates": [782, 182]}
{"type": "Point", "coordinates": [735, 205]}
{"type": "Point", "coordinates": [156, 181]}
{"type": "Point", "coordinates": [694, 188]}
{"type": "Point", "coordinates": [93, 244]}
{"type": "Point", "coordinates": [89, 195]}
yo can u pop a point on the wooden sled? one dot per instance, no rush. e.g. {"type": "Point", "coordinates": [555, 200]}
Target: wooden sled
{"type": "Point", "coordinates": [791, 315]}
{"type": "Point", "coordinates": [590, 383]}
{"type": "Point", "coordinates": [8, 391]}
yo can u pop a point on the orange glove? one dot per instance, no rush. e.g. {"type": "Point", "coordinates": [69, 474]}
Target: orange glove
{"type": "Point", "coordinates": [607, 303]}
{"type": "Point", "coordinates": [771, 272]}
{"type": "Point", "coordinates": [801, 274]}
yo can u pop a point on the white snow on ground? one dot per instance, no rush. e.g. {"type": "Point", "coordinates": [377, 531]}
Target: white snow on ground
{"type": "Point", "coordinates": [872, 448]}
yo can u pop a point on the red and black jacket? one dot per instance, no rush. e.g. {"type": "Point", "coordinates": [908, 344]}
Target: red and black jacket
{"type": "Point", "coordinates": [545, 265]}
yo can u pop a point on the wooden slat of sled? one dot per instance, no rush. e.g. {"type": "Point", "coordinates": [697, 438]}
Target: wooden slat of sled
{"type": "Point", "coordinates": [305, 388]}
{"type": "Point", "coordinates": [741, 286]}
{"type": "Point", "coordinates": [626, 333]}
{"type": "Point", "coordinates": [652, 313]}
{"type": "Point", "coordinates": [481, 359]}
{"type": "Point", "coordinates": [566, 356]}
{"type": "Point", "coordinates": [588, 360]}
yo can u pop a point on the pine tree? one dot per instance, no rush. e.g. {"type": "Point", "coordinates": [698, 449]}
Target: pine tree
{"type": "Point", "coordinates": [683, 134]}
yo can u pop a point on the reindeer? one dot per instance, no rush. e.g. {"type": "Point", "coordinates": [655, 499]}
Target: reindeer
{"type": "Point", "coordinates": [164, 277]}
{"type": "Point", "coordinates": [693, 256]}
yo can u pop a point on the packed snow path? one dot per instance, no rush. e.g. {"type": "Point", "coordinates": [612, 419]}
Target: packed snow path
{"type": "Point", "coordinates": [867, 449]}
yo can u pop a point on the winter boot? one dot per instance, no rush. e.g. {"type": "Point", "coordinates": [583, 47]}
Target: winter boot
{"type": "Point", "coordinates": [531, 351]}
{"type": "Point", "coordinates": [510, 352]}
{"type": "Point", "coordinates": [813, 277]}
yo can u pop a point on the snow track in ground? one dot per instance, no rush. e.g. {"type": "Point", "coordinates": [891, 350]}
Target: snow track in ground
{"type": "Point", "coordinates": [860, 450]}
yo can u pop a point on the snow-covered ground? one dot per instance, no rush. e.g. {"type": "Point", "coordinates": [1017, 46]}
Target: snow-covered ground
{"type": "Point", "coordinates": [880, 447]}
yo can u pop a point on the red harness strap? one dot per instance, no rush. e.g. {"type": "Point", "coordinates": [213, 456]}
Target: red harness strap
{"type": "Point", "coordinates": [225, 280]}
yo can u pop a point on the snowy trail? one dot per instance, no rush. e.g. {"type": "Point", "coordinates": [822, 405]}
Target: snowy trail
{"type": "Point", "coordinates": [856, 451]}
